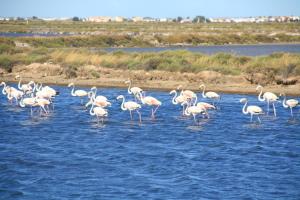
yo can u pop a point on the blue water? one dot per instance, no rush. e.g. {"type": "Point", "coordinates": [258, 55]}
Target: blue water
{"type": "Point", "coordinates": [68, 156]}
{"type": "Point", "coordinates": [245, 50]}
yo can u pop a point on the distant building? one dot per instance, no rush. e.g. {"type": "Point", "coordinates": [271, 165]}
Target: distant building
{"type": "Point", "coordinates": [137, 19]}
{"type": "Point", "coordinates": [99, 19]}
{"type": "Point", "coordinates": [119, 19]}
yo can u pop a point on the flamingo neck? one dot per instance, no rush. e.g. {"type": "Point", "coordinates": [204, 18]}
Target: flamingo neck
{"type": "Point", "coordinates": [196, 99]}
{"type": "Point", "coordinates": [175, 95]}
{"type": "Point", "coordinates": [19, 84]}
{"type": "Point", "coordinates": [122, 105]}
{"type": "Point", "coordinates": [244, 108]}
{"type": "Point", "coordinates": [259, 96]}
{"type": "Point", "coordinates": [186, 112]}
{"type": "Point", "coordinates": [284, 102]}
{"type": "Point", "coordinates": [4, 87]}
{"type": "Point", "coordinates": [142, 97]}
{"type": "Point", "coordinates": [72, 91]}
{"type": "Point", "coordinates": [22, 103]}
{"type": "Point", "coordinates": [203, 92]}
{"type": "Point", "coordinates": [92, 110]}
{"type": "Point", "coordinates": [129, 88]}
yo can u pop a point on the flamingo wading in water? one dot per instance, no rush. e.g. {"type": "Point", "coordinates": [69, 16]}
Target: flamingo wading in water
{"type": "Point", "coordinates": [269, 97]}
{"type": "Point", "coordinates": [130, 106]}
{"type": "Point", "coordinates": [77, 93]}
{"type": "Point", "coordinates": [210, 95]}
{"type": "Point", "coordinates": [133, 90]}
{"type": "Point", "coordinates": [252, 110]}
{"type": "Point", "coordinates": [290, 103]}
{"type": "Point", "coordinates": [150, 101]}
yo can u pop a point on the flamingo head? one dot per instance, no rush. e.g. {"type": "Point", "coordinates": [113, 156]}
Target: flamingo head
{"type": "Point", "coordinates": [30, 83]}
{"type": "Point", "coordinates": [128, 81]}
{"type": "Point", "coordinates": [179, 87]}
{"type": "Point", "coordinates": [258, 87]}
{"type": "Point", "coordinates": [2, 83]}
{"type": "Point", "coordinates": [201, 86]}
{"type": "Point", "coordinates": [70, 84]}
{"type": "Point", "coordinates": [173, 91]}
{"type": "Point", "coordinates": [120, 97]}
{"type": "Point", "coordinates": [94, 88]}
{"type": "Point", "coordinates": [18, 76]}
{"type": "Point", "coordinates": [243, 100]}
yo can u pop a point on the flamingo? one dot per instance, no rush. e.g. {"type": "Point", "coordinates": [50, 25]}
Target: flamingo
{"type": "Point", "coordinates": [99, 112]}
{"type": "Point", "coordinates": [269, 97]}
{"type": "Point", "coordinates": [252, 110]}
{"type": "Point", "coordinates": [26, 88]}
{"type": "Point", "coordinates": [43, 103]}
{"type": "Point", "coordinates": [133, 90]}
{"type": "Point", "coordinates": [100, 101]}
{"type": "Point", "coordinates": [210, 95]}
{"type": "Point", "coordinates": [13, 93]}
{"type": "Point", "coordinates": [195, 110]}
{"type": "Point", "coordinates": [130, 105]}
{"type": "Point", "coordinates": [207, 106]}
{"type": "Point", "coordinates": [290, 103]}
{"type": "Point", "coordinates": [28, 101]}
{"type": "Point", "coordinates": [77, 93]}
{"type": "Point", "coordinates": [178, 100]}
{"type": "Point", "coordinates": [150, 101]}
{"type": "Point", "coordinates": [188, 94]}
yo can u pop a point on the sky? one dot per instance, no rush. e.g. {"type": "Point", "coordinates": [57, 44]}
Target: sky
{"type": "Point", "coordinates": [148, 8]}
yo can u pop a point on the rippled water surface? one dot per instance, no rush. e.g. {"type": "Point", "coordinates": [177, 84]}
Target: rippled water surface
{"type": "Point", "coordinates": [68, 156]}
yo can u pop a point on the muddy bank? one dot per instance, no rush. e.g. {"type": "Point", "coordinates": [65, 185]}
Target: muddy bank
{"type": "Point", "coordinates": [150, 80]}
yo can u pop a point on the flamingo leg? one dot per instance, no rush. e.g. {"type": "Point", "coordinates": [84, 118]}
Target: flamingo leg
{"type": "Point", "coordinates": [258, 119]}
{"type": "Point", "coordinates": [194, 116]}
{"type": "Point", "coordinates": [98, 120]}
{"type": "Point", "coordinates": [183, 111]}
{"type": "Point", "coordinates": [153, 112]}
{"type": "Point", "coordinates": [140, 116]}
{"type": "Point", "coordinates": [268, 109]}
{"type": "Point", "coordinates": [130, 114]}
{"type": "Point", "coordinates": [251, 118]}
{"type": "Point", "coordinates": [291, 111]}
{"type": "Point", "coordinates": [274, 109]}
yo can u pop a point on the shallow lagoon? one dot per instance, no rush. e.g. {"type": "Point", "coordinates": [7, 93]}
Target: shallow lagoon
{"type": "Point", "coordinates": [68, 156]}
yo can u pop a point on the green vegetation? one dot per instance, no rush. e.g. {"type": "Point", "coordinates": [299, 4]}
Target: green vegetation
{"type": "Point", "coordinates": [130, 34]}
{"type": "Point", "coordinates": [283, 65]}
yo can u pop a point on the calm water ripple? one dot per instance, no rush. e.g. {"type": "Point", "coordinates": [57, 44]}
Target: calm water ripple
{"type": "Point", "coordinates": [67, 155]}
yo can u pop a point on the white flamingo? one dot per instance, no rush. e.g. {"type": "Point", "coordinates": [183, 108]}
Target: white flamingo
{"type": "Point", "coordinates": [150, 101]}
{"type": "Point", "coordinates": [99, 100]}
{"type": "Point", "coordinates": [28, 101]}
{"type": "Point", "coordinates": [14, 94]}
{"type": "Point", "coordinates": [269, 97]}
{"type": "Point", "coordinates": [195, 110]}
{"type": "Point", "coordinates": [77, 93]}
{"type": "Point", "coordinates": [26, 88]}
{"type": "Point", "coordinates": [188, 94]}
{"type": "Point", "coordinates": [130, 106]}
{"type": "Point", "coordinates": [99, 112]}
{"type": "Point", "coordinates": [133, 90]}
{"type": "Point", "coordinates": [211, 95]}
{"type": "Point", "coordinates": [252, 110]}
{"type": "Point", "coordinates": [290, 103]}
{"type": "Point", "coordinates": [179, 100]}
{"type": "Point", "coordinates": [11, 92]}
{"type": "Point", "coordinates": [207, 106]}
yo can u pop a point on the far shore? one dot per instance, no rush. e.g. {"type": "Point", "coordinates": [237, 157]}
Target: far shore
{"type": "Point", "coordinates": [161, 85]}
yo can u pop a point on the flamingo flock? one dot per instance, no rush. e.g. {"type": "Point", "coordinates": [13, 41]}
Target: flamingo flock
{"type": "Point", "coordinates": [31, 95]}
{"type": "Point", "coordinates": [34, 95]}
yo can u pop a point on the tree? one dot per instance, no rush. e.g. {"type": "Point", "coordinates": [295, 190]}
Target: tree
{"type": "Point", "coordinates": [179, 19]}
{"type": "Point", "coordinates": [200, 19]}
{"type": "Point", "coordinates": [76, 19]}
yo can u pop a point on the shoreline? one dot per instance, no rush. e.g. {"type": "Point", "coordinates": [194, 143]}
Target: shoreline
{"type": "Point", "coordinates": [228, 88]}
